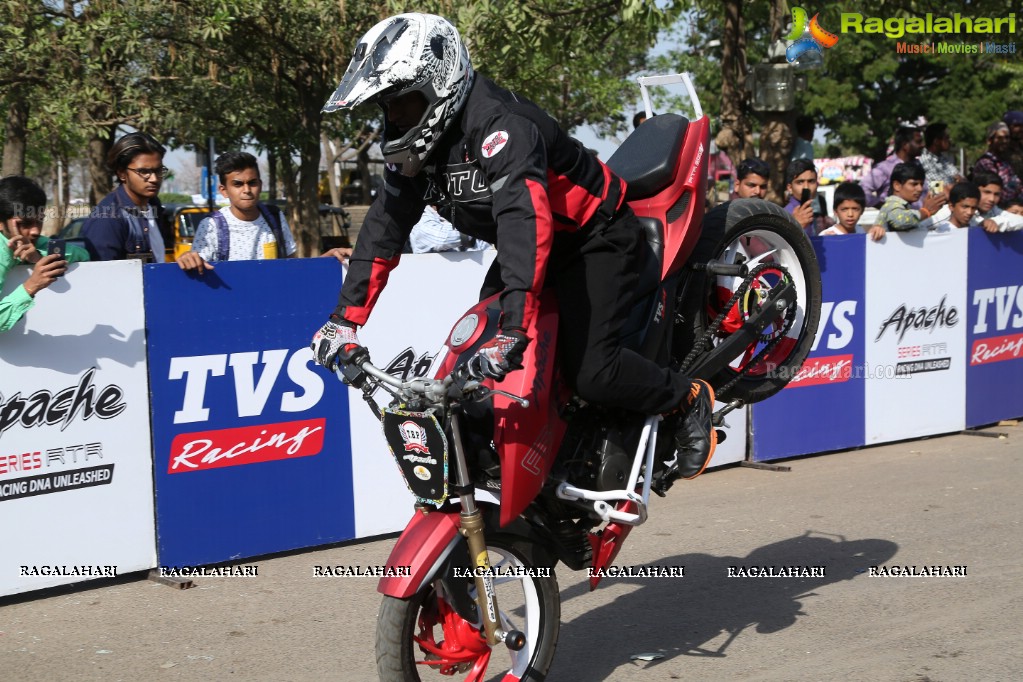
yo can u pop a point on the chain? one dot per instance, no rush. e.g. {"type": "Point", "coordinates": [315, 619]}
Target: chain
{"type": "Point", "coordinates": [741, 290]}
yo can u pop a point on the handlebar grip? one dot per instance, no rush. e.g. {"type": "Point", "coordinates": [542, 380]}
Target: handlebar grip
{"type": "Point", "coordinates": [350, 365]}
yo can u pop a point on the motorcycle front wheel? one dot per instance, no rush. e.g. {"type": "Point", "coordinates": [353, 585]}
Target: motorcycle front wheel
{"type": "Point", "coordinates": [422, 638]}
{"type": "Point", "coordinates": [753, 232]}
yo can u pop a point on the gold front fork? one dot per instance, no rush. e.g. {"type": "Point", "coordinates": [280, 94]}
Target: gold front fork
{"type": "Point", "coordinates": [471, 528]}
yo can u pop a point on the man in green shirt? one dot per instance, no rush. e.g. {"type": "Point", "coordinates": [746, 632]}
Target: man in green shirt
{"type": "Point", "coordinates": [22, 206]}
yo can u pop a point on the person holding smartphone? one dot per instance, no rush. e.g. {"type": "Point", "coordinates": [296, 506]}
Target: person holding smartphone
{"type": "Point", "coordinates": [22, 206]}
{"type": "Point", "coordinates": [804, 204]}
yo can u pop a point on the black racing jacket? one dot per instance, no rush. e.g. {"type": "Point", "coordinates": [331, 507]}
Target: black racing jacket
{"type": "Point", "coordinates": [505, 173]}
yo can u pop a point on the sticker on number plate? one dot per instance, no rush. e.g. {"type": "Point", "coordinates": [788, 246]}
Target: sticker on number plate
{"type": "Point", "coordinates": [420, 448]}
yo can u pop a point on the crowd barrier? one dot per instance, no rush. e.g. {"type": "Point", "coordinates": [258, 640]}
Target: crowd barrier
{"type": "Point", "coordinates": [210, 404]}
{"type": "Point", "coordinates": [921, 334]}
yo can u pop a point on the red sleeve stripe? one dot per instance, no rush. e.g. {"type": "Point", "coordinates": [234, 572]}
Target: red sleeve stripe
{"type": "Point", "coordinates": [381, 270]}
{"type": "Point", "coordinates": [544, 236]}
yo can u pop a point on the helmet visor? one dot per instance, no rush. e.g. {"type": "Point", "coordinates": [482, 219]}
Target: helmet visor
{"type": "Point", "coordinates": [378, 68]}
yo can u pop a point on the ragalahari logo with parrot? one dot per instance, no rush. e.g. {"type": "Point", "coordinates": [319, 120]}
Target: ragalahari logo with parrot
{"type": "Point", "coordinates": [806, 36]}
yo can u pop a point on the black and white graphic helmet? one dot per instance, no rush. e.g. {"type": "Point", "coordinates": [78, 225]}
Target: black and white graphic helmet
{"type": "Point", "coordinates": [409, 53]}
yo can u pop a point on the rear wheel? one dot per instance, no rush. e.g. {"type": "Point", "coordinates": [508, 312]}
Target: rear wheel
{"type": "Point", "coordinates": [423, 638]}
{"type": "Point", "coordinates": [756, 233]}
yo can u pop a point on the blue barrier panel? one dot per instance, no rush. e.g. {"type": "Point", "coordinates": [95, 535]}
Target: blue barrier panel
{"type": "Point", "coordinates": [994, 374]}
{"type": "Point", "coordinates": [252, 448]}
{"type": "Point", "coordinates": [823, 406]}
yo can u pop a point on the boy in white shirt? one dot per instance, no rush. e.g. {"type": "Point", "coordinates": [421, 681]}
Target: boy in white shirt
{"type": "Point", "coordinates": [962, 209]}
{"type": "Point", "coordinates": [244, 230]}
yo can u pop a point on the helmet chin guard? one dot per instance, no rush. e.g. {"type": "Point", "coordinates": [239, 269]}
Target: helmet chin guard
{"type": "Point", "coordinates": [409, 53]}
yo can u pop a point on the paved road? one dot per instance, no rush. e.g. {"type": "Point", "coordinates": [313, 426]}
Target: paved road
{"type": "Point", "coordinates": [951, 501]}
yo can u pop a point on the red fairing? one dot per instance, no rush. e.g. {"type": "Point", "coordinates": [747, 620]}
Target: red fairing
{"type": "Point", "coordinates": [528, 438]}
{"type": "Point", "coordinates": [420, 546]}
{"type": "Point", "coordinates": [690, 177]}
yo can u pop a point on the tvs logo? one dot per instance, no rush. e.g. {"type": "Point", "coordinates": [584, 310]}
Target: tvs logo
{"type": "Point", "coordinates": [903, 319]}
{"type": "Point", "coordinates": [1008, 308]}
{"type": "Point", "coordinates": [830, 370]}
{"type": "Point", "coordinates": [494, 143]}
{"type": "Point", "coordinates": [246, 445]}
{"type": "Point", "coordinates": [807, 37]}
{"type": "Point", "coordinates": [414, 437]}
{"type": "Point", "coordinates": [997, 349]}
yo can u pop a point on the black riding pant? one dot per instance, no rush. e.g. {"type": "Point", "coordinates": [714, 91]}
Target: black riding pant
{"type": "Point", "coordinates": [596, 274]}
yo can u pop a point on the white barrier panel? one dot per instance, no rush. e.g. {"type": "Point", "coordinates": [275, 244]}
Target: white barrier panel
{"type": "Point", "coordinates": [916, 335]}
{"type": "Point", "coordinates": [76, 472]}
{"type": "Point", "coordinates": [425, 295]}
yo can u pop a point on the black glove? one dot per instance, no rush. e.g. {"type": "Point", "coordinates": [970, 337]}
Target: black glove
{"type": "Point", "coordinates": [498, 356]}
{"type": "Point", "coordinates": [333, 339]}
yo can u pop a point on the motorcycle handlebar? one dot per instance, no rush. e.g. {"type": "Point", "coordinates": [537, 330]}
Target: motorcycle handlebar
{"type": "Point", "coordinates": [456, 385]}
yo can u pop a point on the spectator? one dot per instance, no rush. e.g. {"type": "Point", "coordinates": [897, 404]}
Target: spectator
{"type": "Point", "coordinates": [803, 147]}
{"type": "Point", "coordinates": [850, 202]}
{"type": "Point", "coordinates": [995, 160]}
{"type": "Point", "coordinates": [1014, 206]}
{"type": "Point", "coordinates": [908, 144]}
{"type": "Point", "coordinates": [1014, 153]}
{"type": "Point", "coordinates": [897, 213]}
{"type": "Point", "coordinates": [245, 229]}
{"type": "Point", "coordinates": [752, 175]}
{"type": "Point", "coordinates": [990, 186]}
{"type": "Point", "coordinates": [938, 165]}
{"type": "Point", "coordinates": [805, 206]}
{"type": "Point", "coordinates": [639, 118]}
{"type": "Point", "coordinates": [434, 234]}
{"type": "Point", "coordinates": [124, 224]}
{"type": "Point", "coordinates": [963, 200]}
{"type": "Point", "coordinates": [22, 206]}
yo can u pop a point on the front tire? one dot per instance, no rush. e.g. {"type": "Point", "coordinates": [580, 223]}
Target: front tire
{"type": "Point", "coordinates": [752, 231]}
{"type": "Point", "coordinates": [410, 631]}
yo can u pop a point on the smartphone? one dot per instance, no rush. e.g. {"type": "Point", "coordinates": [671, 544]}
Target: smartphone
{"type": "Point", "coordinates": [56, 246]}
{"type": "Point", "coordinates": [806, 195]}
{"type": "Point", "coordinates": [937, 186]}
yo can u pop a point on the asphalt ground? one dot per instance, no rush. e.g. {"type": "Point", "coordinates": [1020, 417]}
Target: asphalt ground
{"type": "Point", "coordinates": [952, 501]}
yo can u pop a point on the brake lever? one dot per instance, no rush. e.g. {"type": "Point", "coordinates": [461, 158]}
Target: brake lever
{"type": "Point", "coordinates": [519, 399]}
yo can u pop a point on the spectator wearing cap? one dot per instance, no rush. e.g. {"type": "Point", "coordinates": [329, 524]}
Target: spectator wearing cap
{"type": "Point", "coordinates": [1014, 119]}
{"type": "Point", "coordinates": [908, 145]}
{"type": "Point", "coordinates": [994, 161]}
{"type": "Point", "coordinates": [938, 164]}
{"type": "Point", "coordinates": [752, 176]}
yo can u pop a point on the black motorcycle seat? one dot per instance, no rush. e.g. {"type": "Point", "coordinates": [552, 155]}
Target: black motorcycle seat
{"type": "Point", "coordinates": [647, 158]}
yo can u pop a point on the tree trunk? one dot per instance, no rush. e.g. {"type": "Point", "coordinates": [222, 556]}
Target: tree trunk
{"type": "Point", "coordinates": [15, 134]}
{"type": "Point", "coordinates": [333, 180]}
{"type": "Point", "coordinates": [308, 200]}
{"type": "Point", "coordinates": [99, 174]}
{"type": "Point", "coordinates": [776, 142]}
{"type": "Point", "coordinates": [271, 159]}
{"type": "Point", "coordinates": [734, 138]}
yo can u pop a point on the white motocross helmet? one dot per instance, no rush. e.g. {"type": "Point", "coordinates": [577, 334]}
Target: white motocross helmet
{"type": "Point", "coordinates": [409, 53]}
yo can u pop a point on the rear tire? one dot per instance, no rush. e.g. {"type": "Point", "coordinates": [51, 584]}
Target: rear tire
{"type": "Point", "coordinates": [728, 232]}
{"type": "Point", "coordinates": [530, 604]}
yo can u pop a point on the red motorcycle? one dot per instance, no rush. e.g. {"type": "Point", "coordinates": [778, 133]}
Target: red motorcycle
{"type": "Point", "coordinates": [511, 481]}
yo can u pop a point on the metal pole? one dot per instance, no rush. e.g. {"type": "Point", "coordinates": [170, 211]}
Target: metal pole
{"type": "Point", "coordinates": [210, 202]}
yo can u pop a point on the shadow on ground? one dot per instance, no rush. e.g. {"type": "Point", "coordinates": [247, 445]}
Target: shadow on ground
{"type": "Point", "coordinates": [682, 617]}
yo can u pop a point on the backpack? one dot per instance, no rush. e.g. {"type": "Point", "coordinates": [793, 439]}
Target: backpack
{"type": "Point", "coordinates": [271, 214]}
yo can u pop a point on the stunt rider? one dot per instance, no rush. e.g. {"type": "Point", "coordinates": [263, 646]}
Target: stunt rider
{"type": "Point", "coordinates": [502, 170]}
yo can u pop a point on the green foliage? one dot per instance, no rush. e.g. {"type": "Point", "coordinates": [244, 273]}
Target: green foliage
{"type": "Point", "coordinates": [175, 198]}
